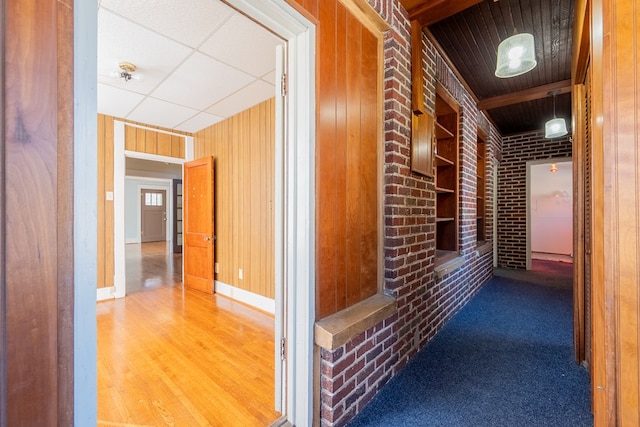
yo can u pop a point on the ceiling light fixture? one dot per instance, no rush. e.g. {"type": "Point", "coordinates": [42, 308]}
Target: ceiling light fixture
{"type": "Point", "coordinates": [127, 70]}
{"type": "Point", "coordinates": [554, 168]}
{"type": "Point", "coordinates": [516, 55]}
{"type": "Point", "coordinates": [555, 127]}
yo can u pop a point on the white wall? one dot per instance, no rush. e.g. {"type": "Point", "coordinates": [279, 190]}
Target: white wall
{"type": "Point", "coordinates": [551, 209]}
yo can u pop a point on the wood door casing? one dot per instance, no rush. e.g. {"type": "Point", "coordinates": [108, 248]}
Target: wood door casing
{"type": "Point", "coordinates": [37, 205]}
{"type": "Point", "coordinates": [198, 224]}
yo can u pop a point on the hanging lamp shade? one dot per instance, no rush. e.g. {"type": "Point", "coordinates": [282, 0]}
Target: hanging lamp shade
{"type": "Point", "coordinates": [555, 127]}
{"type": "Point", "coordinates": [516, 55]}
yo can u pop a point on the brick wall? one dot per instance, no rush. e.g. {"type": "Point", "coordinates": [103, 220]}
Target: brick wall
{"type": "Point", "coordinates": [512, 191]}
{"type": "Point", "coordinates": [352, 374]}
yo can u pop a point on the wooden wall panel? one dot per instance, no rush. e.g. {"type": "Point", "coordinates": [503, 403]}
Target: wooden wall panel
{"type": "Point", "coordinates": [615, 301]}
{"type": "Point", "coordinates": [105, 220]}
{"type": "Point", "coordinates": [243, 148]}
{"type": "Point", "coordinates": [148, 141]}
{"type": "Point", "coordinates": [36, 201]}
{"type": "Point", "coordinates": [347, 168]}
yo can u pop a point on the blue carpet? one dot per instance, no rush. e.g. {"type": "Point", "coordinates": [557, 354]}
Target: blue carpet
{"type": "Point", "coordinates": [506, 359]}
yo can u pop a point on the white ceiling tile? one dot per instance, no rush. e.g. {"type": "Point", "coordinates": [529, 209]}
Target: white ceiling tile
{"type": "Point", "coordinates": [199, 122]}
{"type": "Point", "coordinates": [247, 97]}
{"type": "Point", "coordinates": [187, 21]}
{"type": "Point", "coordinates": [161, 113]}
{"type": "Point", "coordinates": [116, 102]}
{"type": "Point", "coordinates": [200, 82]}
{"type": "Point", "coordinates": [270, 77]}
{"type": "Point", "coordinates": [121, 40]}
{"type": "Point", "coordinates": [243, 44]}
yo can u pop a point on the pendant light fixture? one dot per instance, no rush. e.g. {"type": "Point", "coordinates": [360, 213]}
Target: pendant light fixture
{"type": "Point", "coordinates": [516, 55]}
{"type": "Point", "coordinates": [555, 127]}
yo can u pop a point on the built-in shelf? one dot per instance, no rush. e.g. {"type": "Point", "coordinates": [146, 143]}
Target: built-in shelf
{"type": "Point", "coordinates": [480, 189]}
{"type": "Point", "coordinates": [444, 190]}
{"type": "Point", "coordinates": [441, 219]}
{"type": "Point", "coordinates": [442, 132]}
{"type": "Point", "coordinates": [446, 179]}
{"type": "Point", "coordinates": [441, 161]}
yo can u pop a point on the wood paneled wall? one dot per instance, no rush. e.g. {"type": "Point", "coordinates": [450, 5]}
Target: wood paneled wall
{"type": "Point", "coordinates": [347, 166]}
{"type": "Point", "coordinates": [152, 142]}
{"type": "Point", "coordinates": [136, 139]}
{"type": "Point", "coordinates": [36, 209]}
{"type": "Point", "coordinates": [105, 250]}
{"type": "Point", "coordinates": [614, 87]}
{"type": "Point", "coordinates": [243, 149]}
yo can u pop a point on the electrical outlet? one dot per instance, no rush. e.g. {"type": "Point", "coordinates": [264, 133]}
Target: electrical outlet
{"type": "Point", "coordinates": [216, 268]}
{"type": "Point", "coordinates": [240, 273]}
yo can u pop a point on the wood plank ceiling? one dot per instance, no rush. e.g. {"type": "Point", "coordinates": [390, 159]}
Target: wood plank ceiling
{"type": "Point", "coordinates": [469, 32]}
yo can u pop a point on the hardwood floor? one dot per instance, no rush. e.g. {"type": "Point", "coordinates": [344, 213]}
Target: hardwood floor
{"type": "Point", "coordinates": [169, 356]}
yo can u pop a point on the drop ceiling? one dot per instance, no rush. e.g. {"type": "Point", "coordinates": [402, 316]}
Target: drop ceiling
{"type": "Point", "coordinates": [198, 62]}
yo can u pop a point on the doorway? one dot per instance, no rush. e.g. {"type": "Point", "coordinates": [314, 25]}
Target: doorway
{"type": "Point", "coordinates": [549, 212]}
{"type": "Point", "coordinates": [295, 270]}
{"type": "Point", "coordinates": [153, 215]}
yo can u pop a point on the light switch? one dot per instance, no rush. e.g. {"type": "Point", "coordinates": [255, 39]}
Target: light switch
{"type": "Point", "coordinates": [109, 195]}
{"type": "Point", "coordinates": [240, 273]}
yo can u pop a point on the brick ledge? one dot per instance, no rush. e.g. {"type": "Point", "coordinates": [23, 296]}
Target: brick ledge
{"type": "Point", "coordinates": [450, 265]}
{"type": "Point", "coordinates": [483, 248]}
{"type": "Point", "coordinates": [339, 328]}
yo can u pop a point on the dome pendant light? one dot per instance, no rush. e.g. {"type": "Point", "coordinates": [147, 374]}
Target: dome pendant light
{"type": "Point", "coordinates": [555, 127]}
{"type": "Point", "coordinates": [516, 55]}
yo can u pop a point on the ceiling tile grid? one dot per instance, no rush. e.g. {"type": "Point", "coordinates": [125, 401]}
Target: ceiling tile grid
{"type": "Point", "coordinates": [198, 62]}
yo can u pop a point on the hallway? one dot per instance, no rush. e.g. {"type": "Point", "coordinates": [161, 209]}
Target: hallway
{"type": "Point", "coordinates": [505, 359]}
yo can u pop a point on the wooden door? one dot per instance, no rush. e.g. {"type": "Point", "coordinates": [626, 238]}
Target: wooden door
{"type": "Point", "coordinates": [153, 215]}
{"type": "Point", "coordinates": [198, 224]}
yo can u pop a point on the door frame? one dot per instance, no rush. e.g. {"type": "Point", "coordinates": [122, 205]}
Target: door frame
{"type": "Point", "coordinates": [297, 268]}
{"type": "Point", "coordinates": [168, 203]}
{"type": "Point", "coordinates": [528, 230]}
{"type": "Point", "coordinates": [119, 177]}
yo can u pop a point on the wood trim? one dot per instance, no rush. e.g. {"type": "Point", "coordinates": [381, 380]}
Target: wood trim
{"type": "Point", "coordinates": [579, 165]}
{"type": "Point", "coordinates": [602, 381]}
{"type": "Point", "coordinates": [432, 11]}
{"type": "Point", "coordinates": [366, 15]}
{"type": "Point", "coordinates": [65, 203]}
{"type": "Point", "coordinates": [581, 41]}
{"type": "Point", "coordinates": [3, 219]}
{"type": "Point", "coordinates": [443, 93]}
{"type": "Point", "coordinates": [531, 94]}
{"type": "Point", "coordinates": [417, 71]}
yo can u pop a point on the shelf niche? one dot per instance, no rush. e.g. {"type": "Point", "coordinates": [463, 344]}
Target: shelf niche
{"type": "Point", "coordinates": [481, 188]}
{"type": "Point", "coordinates": [447, 113]}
